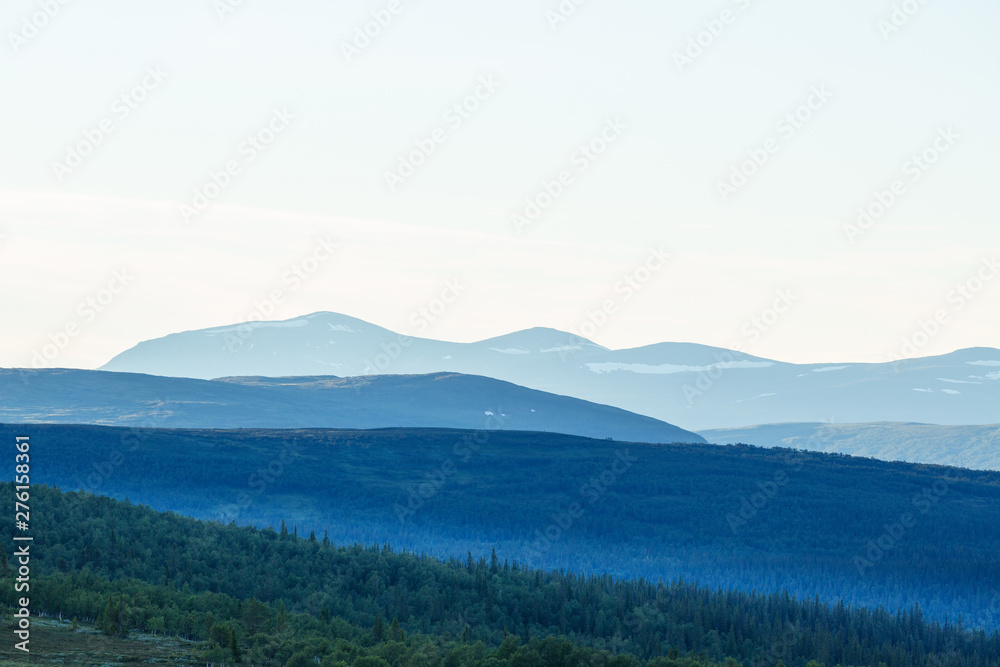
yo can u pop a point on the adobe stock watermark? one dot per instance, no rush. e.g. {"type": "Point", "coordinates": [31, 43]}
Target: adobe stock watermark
{"type": "Point", "coordinates": [293, 278]}
{"type": "Point", "coordinates": [751, 331]}
{"type": "Point", "coordinates": [454, 118]}
{"type": "Point", "coordinates": [912, 170]}
{"type": "Point", "coordinates": [786, 128]}
{"type": "Point", "coordinates": [224, 8]}
{"type": "Point", "coordinates": [899, 16]}
{"type": "Point", "coordinates": [219, 181]}
{"type": "Point", "coordinates": [367, 33]}
{"type": "Point", "coordinates": [32, 25]}
{"type": "Point", "coordinates": [121, 108]}
{"type": "Point", "coordinates": [767, 490]}
{"type": "Point", "coordinates": [893, 534]}
{"type": "Point", "coordinates": [563, 12]}
{"type": "Point", "coordinates": [420, 320]}
{"type": "Point", "coordinates": [259, 481]}
{"type": "Point", "coordinates": [712, 30]}
{"type": "Point", "coordinates": [102, 470]}
{"type": "Point", "coordinates": [630, 284]}
{"type": "Point", "coordinates": [580, 160]}
{"type": "Point", "coordinates": [956, 299]}
{"type": "Point", "coordinates": [87, 311]}
{"type": "Point", "coordinates": [596, 488]}
{"type": "Point", "coordinates": [470, 444]}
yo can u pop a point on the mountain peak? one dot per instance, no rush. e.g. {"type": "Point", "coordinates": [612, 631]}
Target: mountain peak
{"type": "Point", "coordinates": [541, 339]}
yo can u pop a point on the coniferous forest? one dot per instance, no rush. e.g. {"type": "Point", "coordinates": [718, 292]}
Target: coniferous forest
{"type": "Point", "coordinates": [740, 517]}
{"type": "Point", "coordinates": [281, 597]}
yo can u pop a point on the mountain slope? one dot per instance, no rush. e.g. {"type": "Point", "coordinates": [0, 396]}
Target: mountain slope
{"type": "Point", "coordinates": [279, 596]}
{"type": "Point", "coordinates": [442, 400]}
{"type": "Point", "coordinates": [859, 530]}
{"type": "Point", "coordinates": [975, 447]}
{"type": "Point", "coordinates": [694, 386]}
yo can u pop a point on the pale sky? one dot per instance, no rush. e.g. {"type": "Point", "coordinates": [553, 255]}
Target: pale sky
{"type": "Point", "coordinates": [161, 97]}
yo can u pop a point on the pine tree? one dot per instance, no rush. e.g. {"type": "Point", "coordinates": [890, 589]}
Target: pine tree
{"type": "Point", "coordinates": [378, 628]}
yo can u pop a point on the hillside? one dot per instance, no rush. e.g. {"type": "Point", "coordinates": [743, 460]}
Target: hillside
{"type": "Point", "coordinates": [976, 447]}
{"type": "Point", "coordinates": [277, 599]}
{"type": "Point", "coordinates": [694, 386]}
{"type": "Point", "coordinates": [733, 517]}
{"type": "Point", "coordinates": [440, 400]}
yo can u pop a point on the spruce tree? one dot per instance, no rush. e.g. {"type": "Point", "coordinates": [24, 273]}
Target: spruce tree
{"type": "Point", "coordinates": [234, 646]}
{"type": "Point", "coordinates": [282, 616]}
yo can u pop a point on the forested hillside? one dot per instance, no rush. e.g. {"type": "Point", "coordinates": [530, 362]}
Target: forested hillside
{"type": "Point", "coordinates": [862, 531]}
{"type": "Point", "coordinates": [276, 598]}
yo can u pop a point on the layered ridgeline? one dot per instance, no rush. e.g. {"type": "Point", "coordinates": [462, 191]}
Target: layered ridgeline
{"type": "Point", "coordinates": [263, 597]}
{"type": "Point", "coordinates": [694, 386]}
{"type": "Point", "coordinates": [441, 400]}
{"type": "Point", "coordinates": [859, 530]}
{"type": "Point", "coordinates": [963, 446]}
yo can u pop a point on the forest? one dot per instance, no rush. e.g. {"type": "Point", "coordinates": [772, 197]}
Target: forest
{"type": "Point", "coordinates": [288, 597]}
{"type": "Point", "coordinates": [853, 530]}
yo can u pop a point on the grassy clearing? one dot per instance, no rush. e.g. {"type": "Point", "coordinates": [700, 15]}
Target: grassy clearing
{"type": "Point", "coordinates": [53, 643]}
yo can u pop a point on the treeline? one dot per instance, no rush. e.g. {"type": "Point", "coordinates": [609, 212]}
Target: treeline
{"type": "Point", "coordinates": [275, 598]}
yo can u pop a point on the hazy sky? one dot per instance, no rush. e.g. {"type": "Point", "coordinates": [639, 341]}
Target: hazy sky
{"type": "Point", "coordinates": [117, 115]}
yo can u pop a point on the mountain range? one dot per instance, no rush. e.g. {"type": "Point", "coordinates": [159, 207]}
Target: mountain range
{"type": "Point", "coordinates": [695, 386]}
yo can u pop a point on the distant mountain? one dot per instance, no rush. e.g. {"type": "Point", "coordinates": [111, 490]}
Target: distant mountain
{"type": "Point", "coordinates": [440, 400]}
{"type": "Point", "coordinates": [696, 386]}
{"type": "Point", "coordinates": [976, 447]}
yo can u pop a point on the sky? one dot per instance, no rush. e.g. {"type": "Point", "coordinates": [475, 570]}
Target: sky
{"type": "Point", "coordinates": [808, 182]}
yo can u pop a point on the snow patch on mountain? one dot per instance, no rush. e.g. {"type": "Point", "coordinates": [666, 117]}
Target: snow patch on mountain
{"type": "Point", "coordinates": [667, 369]}
{"type": "Point", "coordinates": [290, 324]}
{"type": "Point", "coordinates": [754, 398]}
